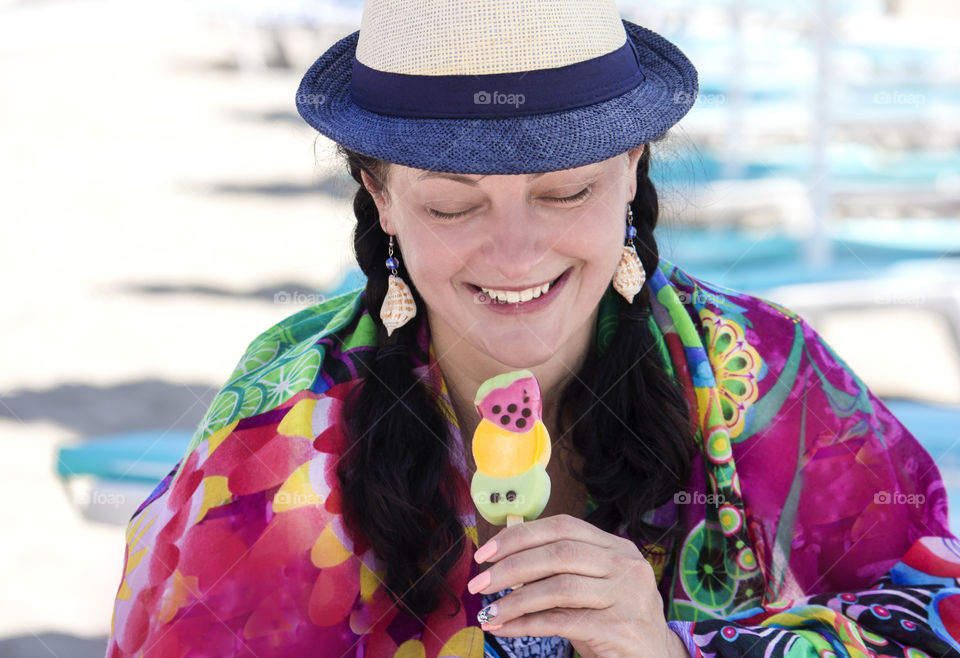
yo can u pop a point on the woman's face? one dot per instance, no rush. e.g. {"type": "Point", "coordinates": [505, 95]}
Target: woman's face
{"type": "Point", "coordinates": [514, 265]}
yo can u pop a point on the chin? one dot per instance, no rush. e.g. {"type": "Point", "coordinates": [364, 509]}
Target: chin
{"type": "Point", "coordinates": [518, 361]}
{"type": "Point", "coordinates": [520, 354]}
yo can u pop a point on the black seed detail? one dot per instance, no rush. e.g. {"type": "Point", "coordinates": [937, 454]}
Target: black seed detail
{"type": "Point", "coordinates": [521, 423]}
{"type": "Point", "coordinates": [526, 400]}
{"type": "Point", "coordinates": [511, 496]}
{"type": "Point", "coordinates": [504, 420]}
{"type": "Point", "coordinates": [526, 412]}
{"type": "Point", "coordinates": [495, 497]}
{"type": "Point", "coordinates": [511, 408]}
{"type": "Point", "coordinates": [496, 408]}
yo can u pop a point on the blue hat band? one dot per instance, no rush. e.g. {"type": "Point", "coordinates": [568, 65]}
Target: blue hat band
{"type": "Point", "coordinates": [500, 94]}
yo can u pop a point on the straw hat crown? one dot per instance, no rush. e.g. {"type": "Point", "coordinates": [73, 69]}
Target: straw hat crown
{"type": "Point", "coordinates": [482, 37]}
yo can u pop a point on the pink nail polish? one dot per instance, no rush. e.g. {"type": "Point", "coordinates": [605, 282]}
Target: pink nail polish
{"type": "Point", "coordinates": [486, 551]}
{"type": "Point", "coordinates": [479, 582]}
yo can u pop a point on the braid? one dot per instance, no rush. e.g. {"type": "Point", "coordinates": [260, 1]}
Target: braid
{"type": "Point", "coordinates": [395, 477]}
{"type": "Point", "coordinates": [625, 405]}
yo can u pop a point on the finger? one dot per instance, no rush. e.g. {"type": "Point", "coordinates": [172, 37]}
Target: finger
{"type": "Point", "coordinates": [539, 562]}
{"type": "Point", "coordinates": [560, 591]}
{"type": "Point", "coordinates": [573, 624]}
{"type": "Point", "coordinates": [542, 531]}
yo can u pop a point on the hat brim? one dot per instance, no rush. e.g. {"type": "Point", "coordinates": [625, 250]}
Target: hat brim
{"type": "Point", "coordinates": [514, 145]}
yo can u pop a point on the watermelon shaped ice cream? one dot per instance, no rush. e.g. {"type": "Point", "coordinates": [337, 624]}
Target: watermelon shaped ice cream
{"type": "Point", "coordinates": [511, 447]}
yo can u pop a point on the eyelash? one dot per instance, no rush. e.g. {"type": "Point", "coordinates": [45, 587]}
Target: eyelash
{"type": "Point", "coordinates": [582, 194]}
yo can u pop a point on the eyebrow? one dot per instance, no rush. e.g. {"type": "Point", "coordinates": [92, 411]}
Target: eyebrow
{"type": "Point", "coordinates": [460, 178]}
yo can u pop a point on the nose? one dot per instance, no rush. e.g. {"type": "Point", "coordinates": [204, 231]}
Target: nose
{"type": "Point", "coordinates": [516, 241]}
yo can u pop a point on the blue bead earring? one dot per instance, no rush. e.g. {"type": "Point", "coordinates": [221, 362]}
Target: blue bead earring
{"type": "Point", "coordinates": [398, 305]}
{"type": "Point", "coordinates": [629, 277]}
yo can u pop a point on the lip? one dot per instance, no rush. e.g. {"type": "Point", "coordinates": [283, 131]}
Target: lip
{"type": "Point", "coordinates": [531, 306]}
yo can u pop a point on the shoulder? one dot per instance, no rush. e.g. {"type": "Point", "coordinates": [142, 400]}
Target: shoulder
{"type": "Point", "coordinates": [340, 319]}
{"type": "Point", "coordinates": [259, 491]}
{"type": "Point", "coordinates": [813, 446]}
{"type": "Point", "coordinates": [300, 353]}
{"type": "Point", "coordinates": [741, 341]}
{"type": "Point", "coordinates": [765, 359]}
{"type": "Point", "coordinates": [707, 302]}
{"type": "Point", "coordinates": [764, 343]}
{"type": "Point", "coordinates": [765, 377]}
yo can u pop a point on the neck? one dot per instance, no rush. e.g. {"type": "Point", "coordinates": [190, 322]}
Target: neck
{"type": "Point", "coordinates": [465, 368]}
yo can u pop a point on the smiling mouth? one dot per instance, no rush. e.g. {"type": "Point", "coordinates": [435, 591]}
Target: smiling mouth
{"type": "Point", "coordinates": [517, 296]}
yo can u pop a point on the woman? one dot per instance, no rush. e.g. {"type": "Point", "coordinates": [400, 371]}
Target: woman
{"type": "Point", "coordinates": [723, 484]}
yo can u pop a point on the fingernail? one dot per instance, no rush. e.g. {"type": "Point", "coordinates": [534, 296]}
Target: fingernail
{"type": "Point", "coordinates": [486, 551]}
{"type": "Point", "coordinates": [491, 627]}
{"type": "Point", "coordinates": [488, 614]}
{"type": "Point", "coordinates": [479, 582]}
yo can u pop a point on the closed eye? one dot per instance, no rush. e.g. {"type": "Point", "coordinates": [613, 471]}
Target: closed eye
{"type": "Point", "coordinates": [582, 194]}
{"type": "Point", "coordinates": [448, 215]}
{"type": "Point", "coordinates": [579, 196]}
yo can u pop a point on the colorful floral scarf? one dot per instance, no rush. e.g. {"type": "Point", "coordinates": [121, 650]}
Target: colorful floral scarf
{"type": "Point", "coordinates": [814, 523]}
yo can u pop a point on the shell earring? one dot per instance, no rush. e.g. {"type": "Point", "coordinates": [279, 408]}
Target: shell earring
{"type": "Point", "coordinates": [398, 306]}
{"type": "Point", "coordinates": [629, 277]}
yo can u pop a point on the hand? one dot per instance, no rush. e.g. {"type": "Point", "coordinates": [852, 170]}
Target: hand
{"type": "Point", "coordinates": [581, 583]}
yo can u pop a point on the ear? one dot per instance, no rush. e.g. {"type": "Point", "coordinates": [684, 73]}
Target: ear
{"type": "Point", "coordinates": [380, 199]}
{"type": "Point", "coordinates": [633, 159]}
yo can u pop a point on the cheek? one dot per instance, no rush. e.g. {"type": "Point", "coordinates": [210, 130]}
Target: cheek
{"type": "Point", "coordinates": [600, 246]}
{"type": "Point", "coordinates": [429, 258]}
{"type": "Point", "coordinates": [611, 260]}
{"type": "Point", "coordinates": [616, 238]}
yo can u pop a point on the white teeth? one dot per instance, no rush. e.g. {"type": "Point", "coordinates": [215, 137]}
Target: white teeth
{"type": "Point", "coordinates": [516, 296]}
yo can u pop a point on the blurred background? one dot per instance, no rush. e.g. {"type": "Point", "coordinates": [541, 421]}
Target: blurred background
{"type": "Point", "coordinates": [163, 203]}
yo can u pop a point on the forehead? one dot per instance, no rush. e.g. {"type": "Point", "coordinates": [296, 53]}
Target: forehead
{"type": "Point", "coordinates": [414, 175]}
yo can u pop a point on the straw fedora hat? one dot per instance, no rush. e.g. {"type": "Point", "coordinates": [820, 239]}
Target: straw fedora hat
{"type": "Point", "coordinates": [496, 86]}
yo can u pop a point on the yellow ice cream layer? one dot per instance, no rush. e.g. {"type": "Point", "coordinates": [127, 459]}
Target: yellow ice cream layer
{"type": "Point", "coordinates": [501, 453]}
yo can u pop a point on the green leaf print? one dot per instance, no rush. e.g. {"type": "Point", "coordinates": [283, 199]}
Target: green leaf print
{"type": "Point", "coordinates": [288, 377]}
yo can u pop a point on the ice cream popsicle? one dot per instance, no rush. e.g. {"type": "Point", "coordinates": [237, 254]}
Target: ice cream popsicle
{"type": "Point", "coordinates": [511, 447]}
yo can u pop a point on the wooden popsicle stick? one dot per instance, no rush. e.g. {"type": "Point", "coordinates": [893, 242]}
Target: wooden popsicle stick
{"type": "Point", "coordinates": [512, 520]}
